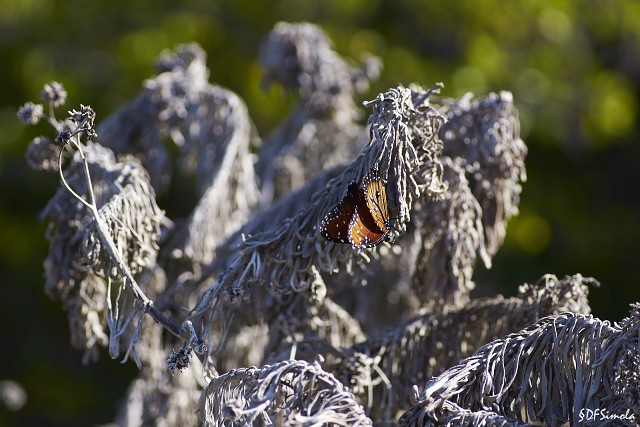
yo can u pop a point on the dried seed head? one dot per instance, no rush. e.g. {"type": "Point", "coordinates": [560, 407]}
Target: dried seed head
{"type": "Point", "coordinates": [42, 155]}
{"type": "Point", "coordinates": [30, 113]}
{"type": "Point", "coordinates": [54, 93]}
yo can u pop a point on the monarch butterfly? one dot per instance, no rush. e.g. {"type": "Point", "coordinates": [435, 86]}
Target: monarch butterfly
{"type": "Point", "coordinates": [362, 216]}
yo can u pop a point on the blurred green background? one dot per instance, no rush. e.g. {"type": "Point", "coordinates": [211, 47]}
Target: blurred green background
{"type": "Point", "coordinates": [573, 67]}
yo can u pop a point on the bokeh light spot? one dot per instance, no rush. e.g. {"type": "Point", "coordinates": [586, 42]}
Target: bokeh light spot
{"type": "Point", "coordinates": [469, 79]}
{"type": "Point", "coordinates": [555, 25]}
{"type": "Point", "coordinates": [531, 233]}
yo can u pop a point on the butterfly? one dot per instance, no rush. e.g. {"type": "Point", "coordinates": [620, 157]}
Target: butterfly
{"type": "Point", "coordinates": [362, 216]}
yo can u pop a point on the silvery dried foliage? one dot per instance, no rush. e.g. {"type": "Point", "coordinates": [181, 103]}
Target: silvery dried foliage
{"type": "Point", "coordinates": [288, 257]}
{"type": "Point", "coordinates": [218, 139]}
{"type": "Point", "coordinates": [378, 293]}
{"type": "Point", "coordinates": [309, 316]}
{"type": "Point", "coordinates": [289, 393]}
{"type": "Point", "coordinates": [159, 399]}
{"type": "Point", "coordinates": [291, 316]}
{"type": "Point", "coordinates": [486, 133]}
{"type": "Point", "coordinates": [276, 295]}
{"type": "Point", "coordinates": [285, 207]}
{"type": "Point", "coordinates": [459, 417]}
{"type": "Point", "coordinates": [291, 319]}
{"type": "Point", "coordinates": [322, 131]}
{"type": "Point", "coordinates": [80, 270]}
{"type": "Point", "coordinates": [131, 330]}
{"type": "Point", "coordinates": [155, 397]}
{"type": "Point", "coordinates": [134, 220]}
{"type": "Point", "coordinates": [244, 347]}
{"type": "Point", "coordinates": [549, 372]}
{"type": "Point", "coordinates": [137, 130]}
{"type": "Point", "coordinates": [212, 127]}
{"type": "Point", "coordinates": [69, 219]}
{"type": "Point", "coordinates": [178, 104]}
{"type": "Point", "coordinates": [427, 268]}
{"type": "Point", "coordinates": [431, 266]}
{"type": "Point", "coordinates": [388, 364]}
{"type": "Point", "coordinates": [85, 306]}
{"type": "Point", "coordinates": [450, 235]}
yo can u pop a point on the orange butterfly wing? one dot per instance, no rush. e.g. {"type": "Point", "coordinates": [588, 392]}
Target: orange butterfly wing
{"type": "Point", "coordinates": [362, 217]}
{"type": "Point", "coordinates": [336, 224]}
{"type": "Point", "coordinates": [368, 227]}
{"type": "Point", "coordinates": [376, 198]}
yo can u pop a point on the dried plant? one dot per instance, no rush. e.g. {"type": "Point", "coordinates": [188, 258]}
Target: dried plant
{"type": "Point", "coordinates": [451, 237]}
{"type": "Point", "coordinates": [104, 227]}
{"type": "Point", "coordinates": [252, 280]}
{"type": "Point", "coordinates": [286, 259]}
{"type": "Point", "coordinates": [322, 131]}
{"type": "Point", "coordinates": [155, 397]}
{"type": "Point", "coordinates": [289, 393]}
{"type": "Point", "coordinates": [550, 372]}
{"type": "Point", "coordinates": [432, 266]}
{"type": "Point", "coordinates": [212, 127]}
{"type": "Point", "coordinates": [220, 148]}
{"type": "Point", "coordinates": [384, 368]}
{"type": "Point", "coordinates": [486, 133]}
{"type": "Point", "coordinates": [309, 316]}
{"type": "Point", "coordinates": [285, 207]}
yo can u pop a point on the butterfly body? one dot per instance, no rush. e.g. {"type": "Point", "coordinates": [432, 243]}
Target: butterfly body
{"type": "Point", "coordinates": [361, 218]}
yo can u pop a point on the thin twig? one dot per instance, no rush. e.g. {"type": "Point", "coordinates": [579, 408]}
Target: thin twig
{"type": "Point", "coordinates": [111, 247]}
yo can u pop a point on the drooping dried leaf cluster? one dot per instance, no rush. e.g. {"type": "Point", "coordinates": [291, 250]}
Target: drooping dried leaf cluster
{"type": "Point", "coordinates": [342, 336]}
{"type": "Point", "coordinates": [323, 131]}
{"type": "Point", "coordinates": [289, 393]}
{"type": "Point", "coordinates": [547, 372]}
